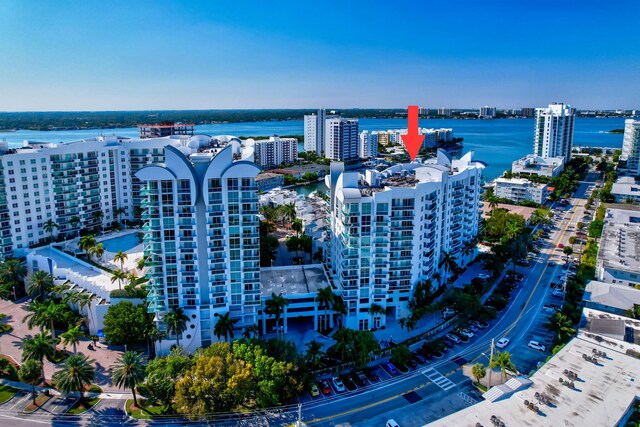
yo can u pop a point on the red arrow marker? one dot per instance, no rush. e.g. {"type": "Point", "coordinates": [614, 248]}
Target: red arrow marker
{"type": "Point", "coordinates": [413, 140]}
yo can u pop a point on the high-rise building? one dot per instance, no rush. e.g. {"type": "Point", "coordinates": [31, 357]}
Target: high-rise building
{"type": "Point", "coordinates": [275, 151]}
{"type": "Point", "coordinates": [368, 148]}
{"type": "Point", "coordinates": [527, 112]}
{"type": "Point", "coordinates": [390, 230]}
{"type": "Point", "coordinates": [445, 112]}
{"type": "Point", "coordinates": [631, 146]}
{"type": "Point", "coordinates": [487, 112]}
{"type": "Point", "coordinates": [554, 131]}
{"type": "Point", "coordinates": [314, 130]}
{"type": "Point", "coordinates": [202, 241]}
{"type": "Point", "coordinates": [341, 139]}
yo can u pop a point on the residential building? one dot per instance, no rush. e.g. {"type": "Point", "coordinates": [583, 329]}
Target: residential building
{"type": "Point", "coordinates": [202, 241]}
{"type": "Point", "coordinates": [520, 189]}
{"type": "Point", "coordinates": [160, 130]}
{"type": "Point", "coordinates": [445, 112]}
{"type": "Point", "coordinates": [625, 190]}
{"type": "Point", "coordinates": [554, 131]}
{"type": "Point", "coordinates": [390, 230]}
{"type": "Point", "coordinates": [610, 298]}
{"type": "Point", "coordinates": [528, 112]}
{"type": "Point", "coordinates": [341, 139]}
{"type": "Point", "coordinates": [536, 165]}
{"type": "Point", "coordinates": [631, 146]}
{"type": "Point", "coordinates": [619, 248]}
{"type": "Point", "coordinates": [275, 151]}
{"type": "Point", "coordinates": [314, 130]}
{"type": "Point", "coordinates": [368, 147]}
{"type": "Point", "coordinates": [383, 137]}
{"type": "Point", "coordinates": [487, 112]}
{"type": "Point", "coordinates": [266, 181]}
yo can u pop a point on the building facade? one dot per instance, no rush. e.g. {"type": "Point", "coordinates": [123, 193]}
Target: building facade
{"type": "Point", "coordinates": [314, 130]}
{"type": "Point", "coordinates": [631, 146]}
{"type": "Point", "coordinates": [390, 229]}
{"type": "Point", "coordinates": [275, 151]}
{"type": "Point", "coordinates": [341, 139]}
{"type": "Point", "coordinates": [519, 190]}
{"type": "Point", "coordinates": [536, 165]}
{"type": "Point", "coordinates": [445, 112]}
{"type": "Point", "coordinates": [368, 147]}
{"type": "Point", "coordinates": [202, 241]}
{"type": "Point", "coordinates": [487, 112]}
{"type": "Point", "coordinates": [554, 131]}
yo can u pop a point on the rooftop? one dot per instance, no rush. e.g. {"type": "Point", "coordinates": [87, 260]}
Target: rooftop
{"type": "Point", "coordinates": [301, 169]}
{"type": "Point", "coordinates": [267, 175]}
{"type": "Point", "coordinates": [626, 186]}
{"type": "Point", "coordinates": [603, 392]}
{"type": "Point", "coordinates": [620, 243]}
{"type": "Point", "coordinates": [292, 280]}
{"type": "Point", "coordinates": [526, 212]}
{"type": "Point", "coordinates": [611, 295]}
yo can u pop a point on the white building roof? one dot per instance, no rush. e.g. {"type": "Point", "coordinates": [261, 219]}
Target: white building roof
{"type": "Point", "coordinates": [612, 295]}
{"type": "Point", "coordinates": [620, 244]}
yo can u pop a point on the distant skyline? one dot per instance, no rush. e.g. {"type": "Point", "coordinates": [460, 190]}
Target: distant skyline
{"type": "Point", "coordinates": [170, 55]}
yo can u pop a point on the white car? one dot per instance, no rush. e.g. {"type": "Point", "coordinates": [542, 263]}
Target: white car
{"type": "Point", "coordinates": [337, 383]}
{"type": "Point", "coordinates": [536, 345]}
{"type": "Point", "coordinates": [466, 332]}
{"type": "Point", "coordinates": [483, 276]}
{"type": "Point", "coordinates": [558, 293]}
{"type": "Point", "coordinates": [392, 423]}
{"type": "Point", "coordinates": [502, 342]}
{"type": "Point", "coordinates": [454, 338]}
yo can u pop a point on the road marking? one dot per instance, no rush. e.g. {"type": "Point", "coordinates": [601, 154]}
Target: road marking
{"type": "Point", "coordinates": [464, 396]}
{"type": "Point", "coordinates": [438, 379]}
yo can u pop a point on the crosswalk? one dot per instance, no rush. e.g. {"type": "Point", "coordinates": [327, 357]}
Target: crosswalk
{"type": "Point", "coordinates": [438, 379]}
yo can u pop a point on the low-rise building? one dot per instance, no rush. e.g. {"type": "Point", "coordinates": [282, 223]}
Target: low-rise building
{"type": "Point", "coordinates": [610, 298]}
{"type": "Point", "coordinates": [536, 165]}
{"type": "Point", "coordinates": [299, 170]}
{"type": "Point", "coordinates": [625, 190]}
{"type": "Point", "coordinates": [520, 189]}
{"type": "Point", "coordinates": [266, 181]}
{"type": "Point", "coordinates": [619, 249]}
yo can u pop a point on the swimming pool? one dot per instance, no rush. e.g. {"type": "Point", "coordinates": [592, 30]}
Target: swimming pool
{"type": "Point", "coordinates": [121, 243]}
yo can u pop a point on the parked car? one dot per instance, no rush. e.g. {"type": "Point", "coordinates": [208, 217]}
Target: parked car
{"type": "Point", "coordinates": [448, 343]}
{"type": "Point", "coordinates": [421, 360]}
{"type": "Point", "coordinates": [502, 342]}
{"type": "Point", "coordinates": [466, 333]}
{"type": "Point", "coordinates": [454, 338]}
{"type": "Point", "coordinates": [536, 345]}
{"type": "Point", "coordinates": [392, 423]}
{"type": "Point", "coordinates": [480, 324]}
{"type": "Point", "coordinates": [348, 382]}
{"type": "Point", "coordinates": [558, 293]}
{"type": "Point", "coordinates": [473, 327]}
{"type": "Point", "coordinates": [483, 276]}
{"type": "Point", "coordinates": [391, 368]}
{"type": "Point", "coordinates": [437, 354]}
{"type": "Point", "coordinates": [337, 383]}
{"type": "Point", "coordinates": [314, 391]}
{"type": "Point", "coordinates": [324, 386]}
{"type": "Point", "coordinates": [560, 246]}
{"type": "Point", "coordinates": [372, 373]}
{"type": "Point", "coordinates": [413, 363]}
{"type": "Point", "coordinates": [360, 378]}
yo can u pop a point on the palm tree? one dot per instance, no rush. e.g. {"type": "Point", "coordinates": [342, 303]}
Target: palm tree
{"type": "Point", "coordinates": [493, 203]}
{"type": "Point", "coordinates": [297, 226]}
{"type": "Point", "coordinates": [76, 373]}
{"type": "Point", "coordinates": [120, 257]}
{"type": "Point", "coordinates": [224, 326]}
{"type": "Point", "coordinates": [72, 337]}
{"type": "Point", "coordinates": [128, 372]}
{"type": "Point", "coordinates": [314, 352]}
{"type": "Point", "coordinates": [119, 212]}
{"type": "Point", "coordinates": [74, 222]}
{"type": "Point", "coordinates": [518, 251]}
{"type": "Point", "coordinates": [288, 211]}
{"type": "Point", "coordinates": [562, 326]}
{"type": "Point", "coordinates": [13, 270]}
{"type": "Point", "coordinates": [269, 213]}
{"type": "Point", "coordinates": [325, 300]}
{"type": "Point", "coordinates": [86, 243]}
{"type": "Point", "coordinates": [502, 360]}
{"type": "Point", "coordinates": [251, 331]}
{"type": "Point", "coordinates": [176, 322]}
{"type": "Point", "coordinates": [448, 261]}
{"type": "Point", "coordinates": [340, 308]}
{"type": "Point", "coordinates": [34, 318]}
{"type": "Point", "coordinates": [119, 275]}
{"type": "Point", "coordinates": [512, 230]}
{"type": "Point", "coordinates": [469, 247]}
{"type": "Point", "coordinates": [478, 371]}
{"type": "Point", "coordinates": [98, 215]}
{"type": "Point", "coordinates": [275, 307]}
{"type": "Point", "coordinates": [376, 310]}
{"type": "Point", "coordinates": [49, 227]}
{"type": "Point", "coordinates": [568, 250]}
{"type": "Point", "coordinates": [437, 277]}
{"type": "Point", "coordinates": [37, 348]}
{"type": "Point", "coordinates": [40, 284]}
{"type": "Point", "coordinates": [97, 251]}
{"type": "Point", "coordinates": [133, 279]}
{"type": "Point", "coordinates": [51, 313]}
{"type": "Point", "coordinates": [30, 373]}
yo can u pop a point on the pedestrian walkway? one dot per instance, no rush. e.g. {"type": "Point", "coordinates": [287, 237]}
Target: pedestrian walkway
{"type": "Point", "coordinates": [438, 379]}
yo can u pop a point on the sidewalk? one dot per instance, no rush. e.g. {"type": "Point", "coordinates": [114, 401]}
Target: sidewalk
{"type": "Point", "coordinates": [54, 392]}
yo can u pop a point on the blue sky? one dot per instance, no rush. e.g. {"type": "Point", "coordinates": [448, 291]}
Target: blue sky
{"type": "Point", "coordinates": [116, 55]}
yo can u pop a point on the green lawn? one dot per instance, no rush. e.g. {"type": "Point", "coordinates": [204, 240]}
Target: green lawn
{"type": "Point", "coordinates": [11, 373]}
{"type": "Point", "coordinates": [146, 413]}
{"type": "Point", "coordinates": [6, 393]}
{"type": "Point", "coordinates": [83, 405]}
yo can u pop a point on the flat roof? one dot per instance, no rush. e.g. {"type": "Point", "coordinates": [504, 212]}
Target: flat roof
{"type": "Point", "coordinates": [292, 280]}
{"type": "Point", "coordinates": [525, 211]}
{"type": "Point", "coordinates": [620, 243]}
{"type": "Point", "coordinates": [602, 396]}
{"type": "Point", "coordinates": [267, 175]}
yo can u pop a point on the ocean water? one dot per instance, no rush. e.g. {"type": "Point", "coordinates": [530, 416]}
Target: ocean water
{"type": "Point", "coordinates": [497, 142]}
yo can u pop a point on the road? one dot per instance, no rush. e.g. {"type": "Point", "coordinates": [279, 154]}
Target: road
{"type": "Point", "coordinates": [433, 390]}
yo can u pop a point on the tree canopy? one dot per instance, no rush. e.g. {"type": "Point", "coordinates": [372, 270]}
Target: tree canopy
{"type": "Point", "coordinates": [126, 323]}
